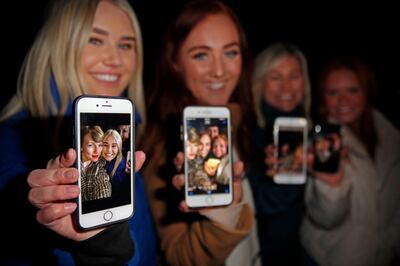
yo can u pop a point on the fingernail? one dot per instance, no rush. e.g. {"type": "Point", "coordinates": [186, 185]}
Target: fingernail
{"type": "Point", "coordinates": [68, 206]}
{"type": "Point", "coordinates": [69, 174]}
{"type": "Point", "coordinates": [72, 190]}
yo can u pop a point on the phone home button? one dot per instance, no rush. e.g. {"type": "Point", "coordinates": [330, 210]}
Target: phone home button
{"type": "Point", "coordinates": [209, 200]}
{"type": "Point", "coordinates": [108, 215]}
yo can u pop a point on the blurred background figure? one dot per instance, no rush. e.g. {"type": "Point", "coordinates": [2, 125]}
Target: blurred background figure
{"type": "Point", "coordinates": [353, 216]}
{"type": "Point", "coordinates": [281, 88]}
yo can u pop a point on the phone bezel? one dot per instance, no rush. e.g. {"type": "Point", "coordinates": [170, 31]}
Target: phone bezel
{"type": "Point", "coordinates": [100, 104]}
{"type": "Point", "coordinates": [291, 124]}
{"type": "Point", "coordinates": [208, 200]}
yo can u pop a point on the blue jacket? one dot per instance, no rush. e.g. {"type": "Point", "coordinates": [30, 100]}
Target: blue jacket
{"type": "Point", "coordinates": [28, 143]}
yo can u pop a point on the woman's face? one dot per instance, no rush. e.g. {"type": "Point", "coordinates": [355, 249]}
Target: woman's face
{"type": "Point", "coordinates": [210, 60]}
{"type": "Point", "coordinates": [110, 148]}
{"type": "Point", "coordinates": [109, 57]}
{"type": "Point", "coordinates": [219, 147]}
{"type": "Point", "coordinates": [191, 150]}
{"type": "Point", "coordinates": [284, 85]}
{"type": "Point", "coordinates": [91, 150]}
{"type": "Point", "coordinates": [205, 145]}
{"type": "Point", "coordinates": [345, 99]}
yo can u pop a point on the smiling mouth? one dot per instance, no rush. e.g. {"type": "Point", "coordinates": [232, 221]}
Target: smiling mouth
{"type": "Point", "coordinates": [286, 97]}
{"type": "Point", "coordinates": [106, 77]}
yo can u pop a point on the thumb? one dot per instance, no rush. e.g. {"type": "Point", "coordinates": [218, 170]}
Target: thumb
{"type": "Point", "coordinates": [64, 160]}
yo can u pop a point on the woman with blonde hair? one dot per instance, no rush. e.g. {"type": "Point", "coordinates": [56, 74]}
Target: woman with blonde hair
{"type": "Point", "coordinates": [116, 165]}
{"type": "Point", "coordinates": [84, 47]}
{"type": "Point", "coordinates": [280, 87]}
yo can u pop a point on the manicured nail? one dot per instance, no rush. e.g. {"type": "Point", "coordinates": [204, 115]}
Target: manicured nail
{"type": "Point", "coordinates": [69, 174]}
{"type": "Point", "coordinates": [72, 190]}
{"type": "Point", "coordinates": [68, 206]}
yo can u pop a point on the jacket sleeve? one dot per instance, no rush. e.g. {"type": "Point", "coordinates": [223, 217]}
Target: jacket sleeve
{"type": "Point", "coordinates": [327, 206]}
{"type": "Point", "coordinates": [113, 246]}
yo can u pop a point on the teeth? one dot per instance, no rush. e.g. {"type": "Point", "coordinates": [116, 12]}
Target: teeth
{"type": "Point", "coordinates": [216, 86]}
{"type": "Point", "coordinates": [344, 109]}
{"type": "Point", "coordinates": [106, 77]}
{"type": "Point", "coordinates": [286, 97]}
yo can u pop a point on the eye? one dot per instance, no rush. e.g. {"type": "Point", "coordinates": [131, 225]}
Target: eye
{"type": "Point", "coordinates": [295, 76]}
{"type": "Point", "coordinates": [232, 53]}
{"type": "Point", "coordinates": [95, 41]}
{"type": "Point", "coordinates": [125, 46]}
{"type": "Point", "coordinates": [201, 56]}
{"type": "Point", "coordinates": [331, 92]}
{"type": "Point", "coordinates": [354, 90]}
{"type": "Point", "coordinates": [274, 77]}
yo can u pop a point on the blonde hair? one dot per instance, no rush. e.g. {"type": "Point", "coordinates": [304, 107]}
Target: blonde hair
{"type": "Point", "coordinates": [266, 61]}
{"type": "Point", "coordinates": [95, 132]}
{"type": "Point", "coordinates": [118, 139]}
{"type": "Point", "coordinates": [56, 52]}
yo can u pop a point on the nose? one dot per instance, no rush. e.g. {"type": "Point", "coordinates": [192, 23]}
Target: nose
{"type": "Point", "coordinates": [343, 99]}
{"type": "Point", "coordinates": [112, 56]}
{"type": "Point", "coordinates": [218, 67]}
{"type": "Point", "coordinates": [97, 148]}
{"type": "Point", "coordinates": [286, 84]}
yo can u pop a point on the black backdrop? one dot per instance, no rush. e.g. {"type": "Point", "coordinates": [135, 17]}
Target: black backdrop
{"type": "Point", "coordinates": [320, 31]}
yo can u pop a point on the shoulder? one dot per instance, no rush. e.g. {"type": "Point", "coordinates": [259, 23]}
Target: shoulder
{"type": "Point", "coordinates": [383, 125]}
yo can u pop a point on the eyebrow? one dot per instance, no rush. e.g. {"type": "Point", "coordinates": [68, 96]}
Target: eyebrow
{"type": "Point", "coordinates": [106, 33]}
{"type": "Point", "coordinates": [205, 47]}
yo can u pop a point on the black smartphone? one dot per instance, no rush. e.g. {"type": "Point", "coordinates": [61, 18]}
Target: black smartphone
{"type": "Point", "coordinates": [327, 145]}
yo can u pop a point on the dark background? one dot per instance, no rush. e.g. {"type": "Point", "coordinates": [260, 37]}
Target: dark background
{"type": "Point", "coordinates": [320, 31]}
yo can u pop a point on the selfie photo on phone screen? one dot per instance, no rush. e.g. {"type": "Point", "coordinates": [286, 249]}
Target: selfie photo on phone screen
{"type": "Point", "coordinates": [208, 166]}
{"type": "Point", "coordinates": [327, 145]}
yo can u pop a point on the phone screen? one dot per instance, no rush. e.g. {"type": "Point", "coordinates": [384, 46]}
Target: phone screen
{"type": "Point", "coordinates": [207, 156]}
{"type": "Point", "coordinates": [327, 145]}
{"type": "Point", "coordinates": [290, 138]}
{"type": "Point", "coordinates": [105, 179]}
{"type": "Point", "coordinates": [290, 150]}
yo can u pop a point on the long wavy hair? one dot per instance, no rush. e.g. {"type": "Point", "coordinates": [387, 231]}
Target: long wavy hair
{"type": "Point", "coordinates": [56, 53]}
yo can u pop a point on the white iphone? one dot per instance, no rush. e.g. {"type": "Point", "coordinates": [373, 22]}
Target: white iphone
{"type": "Point", "coordinates": [107, 188]}
{"type": "Point", "coordinates": [208, 156]}
{"type": "Point", "coordinates": [290, 139]}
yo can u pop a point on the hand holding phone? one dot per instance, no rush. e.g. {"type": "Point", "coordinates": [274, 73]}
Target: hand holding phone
{"type": "Point", "coordinates": [208, 156]}
{"type": "Point", "coordinates": [290, 139]}
{"type": "Point", "coordinates": [107, 194]}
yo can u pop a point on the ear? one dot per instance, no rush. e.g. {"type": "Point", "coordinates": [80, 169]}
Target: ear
{"type": "Point", "coordinates": [176, 66]}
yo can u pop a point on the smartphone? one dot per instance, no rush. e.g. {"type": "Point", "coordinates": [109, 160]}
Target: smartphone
{"type": "Point", "coordinates": [290, 139]}
{"type": "Point", "coordinates": [107, 189]}
{"type": "Point", "coordinates": [208, 156]}
{"type": "Point", "coordinates": [327, 145]}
